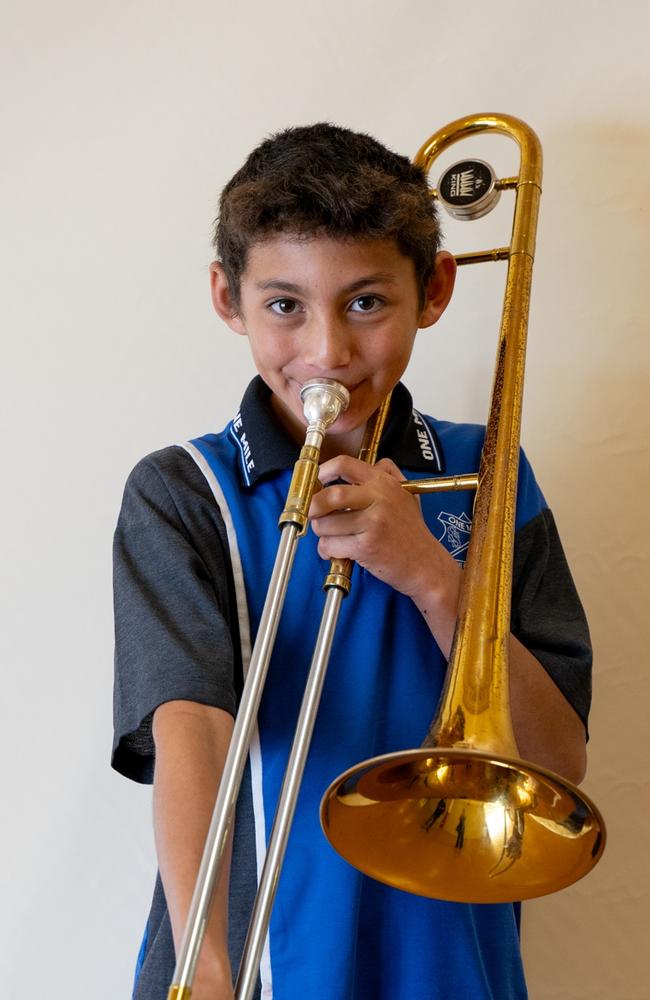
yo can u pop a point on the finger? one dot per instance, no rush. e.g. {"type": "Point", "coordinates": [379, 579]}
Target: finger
{"type": "Point", "coordinates": [339, 498]}
{"type": "Point", "coordinates": [346, 467]}
{"type": "Point", "coordinates": [339, 524]}
{"type": "Point", "coordinates": [340, 547]}
{"type": "Point", "coordinates": [388, 466]}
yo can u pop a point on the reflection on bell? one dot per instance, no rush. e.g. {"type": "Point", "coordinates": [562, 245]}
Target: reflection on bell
{"type": "Point", "coordinates": [463, 826]}
{"type": "Point", "coordinates": [442, 773]}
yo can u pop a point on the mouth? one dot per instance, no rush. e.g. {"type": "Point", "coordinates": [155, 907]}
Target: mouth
{"type": "Point", "coordinates": [346, 385]}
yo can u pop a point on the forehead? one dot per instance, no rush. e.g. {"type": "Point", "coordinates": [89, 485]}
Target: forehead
{"type": "Point", "coordinates": [319, 261]}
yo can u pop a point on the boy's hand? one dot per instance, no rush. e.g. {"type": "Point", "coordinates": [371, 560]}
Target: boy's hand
{"type": "Point", "coordinates": [371, 519]}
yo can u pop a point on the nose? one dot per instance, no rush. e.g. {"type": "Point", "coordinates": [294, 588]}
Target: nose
{"type": "Point", "coordinates": [327, 344]}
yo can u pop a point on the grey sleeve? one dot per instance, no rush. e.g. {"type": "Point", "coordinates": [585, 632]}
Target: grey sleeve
{"type": "Point", "coordinates": [173, 613]}
{"type": "Point", "coordinates": [547, 616]}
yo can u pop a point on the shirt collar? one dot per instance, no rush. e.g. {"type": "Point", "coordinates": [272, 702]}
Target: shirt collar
{"type": "Point", "coordinates": [264, 446]}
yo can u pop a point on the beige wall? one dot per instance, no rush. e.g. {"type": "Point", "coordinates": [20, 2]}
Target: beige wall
{"type": "Point", "coordinates": [120, 123]}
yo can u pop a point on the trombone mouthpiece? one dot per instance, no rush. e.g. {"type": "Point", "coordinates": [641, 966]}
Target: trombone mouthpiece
{"type": "Point", "coordinates": [323, 402]}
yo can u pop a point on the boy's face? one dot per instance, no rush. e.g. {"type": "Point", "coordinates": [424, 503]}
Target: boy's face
{"type": "Point", "coordinates": [325, 308]}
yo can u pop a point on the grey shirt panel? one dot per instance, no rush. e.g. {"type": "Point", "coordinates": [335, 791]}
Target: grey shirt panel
{"type": "Point", "coordinates": [547, 616]}
{"type": "Point", "coordinates": [176, 637]}
{"type": "Point", "coordinates": [176, 631]}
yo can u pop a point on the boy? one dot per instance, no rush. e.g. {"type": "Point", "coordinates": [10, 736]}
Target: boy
{"type": "Point", "coordinates": [329, 262]}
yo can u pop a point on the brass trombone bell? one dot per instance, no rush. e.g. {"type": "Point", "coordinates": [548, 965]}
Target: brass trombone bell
{"type": "Point", "coordinates": [462, 825]}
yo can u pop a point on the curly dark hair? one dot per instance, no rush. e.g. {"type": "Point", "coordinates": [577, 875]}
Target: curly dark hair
{"type": "Point", "coordinates": [325, 180]}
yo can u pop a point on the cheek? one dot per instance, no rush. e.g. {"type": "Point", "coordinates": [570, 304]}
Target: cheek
{"type": "Point", "coordinates": [268, 354]}
{"type": "Point", "coordinates": [392, 363]}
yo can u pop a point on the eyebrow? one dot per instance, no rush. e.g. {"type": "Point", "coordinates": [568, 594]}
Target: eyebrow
{"type": "Point", "coordinates": [380, 278]}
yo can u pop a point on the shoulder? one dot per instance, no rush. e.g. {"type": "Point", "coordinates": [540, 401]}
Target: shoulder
{"type": "Point", "coordinates": [166, 493]}
{"type": "Point", "coordinates": [167, 480]}
{"type": "Point", "coordinates": [164, 472]}
{"type": "Point", "coordinates": [461, 443]}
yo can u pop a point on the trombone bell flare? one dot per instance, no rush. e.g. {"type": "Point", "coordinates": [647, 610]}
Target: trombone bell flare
{"type": "Point", "coordinates": [462, 825]}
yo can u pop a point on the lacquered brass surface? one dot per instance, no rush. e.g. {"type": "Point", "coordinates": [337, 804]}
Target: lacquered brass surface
{"type": "Point", "coordinates": [340, 571]}
{"type": "Point", "coordinates": [179, 993]}
{"type": "Point", "coordinates": [463, 818]}
{"type": "Point", "coordinates": [463, 826]}
{"type": "Point", "coordinates": [373, 432]}
{"type": "Point", "coordinates": [301, 488]}
{"type": "Point", "coordinates": [482, 256]}
{"type": "Point", "coordinates": [441, 484]}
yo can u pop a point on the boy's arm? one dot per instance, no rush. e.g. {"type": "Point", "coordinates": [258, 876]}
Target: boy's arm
{"type": "Point", "coordinates": [191, 744]}
{"type": "Point", "coordinates": [376, 523]}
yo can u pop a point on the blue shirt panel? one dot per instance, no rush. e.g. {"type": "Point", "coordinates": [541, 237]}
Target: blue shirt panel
{"type": "Point", "coordinates": [335, 934]}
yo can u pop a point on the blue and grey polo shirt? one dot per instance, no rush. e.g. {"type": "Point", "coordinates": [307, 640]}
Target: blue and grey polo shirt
{"type": "Point", "coordinates": [194, 548]}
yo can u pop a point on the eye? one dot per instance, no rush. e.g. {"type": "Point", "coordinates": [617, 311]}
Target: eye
{"type": "Point", "coordinates": [366, 303]}
{"type": "Point", "coordinates": [284, 307]}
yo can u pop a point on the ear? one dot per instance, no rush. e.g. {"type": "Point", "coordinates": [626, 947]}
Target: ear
{"type": "Point", "coordinates": [439, 289]}
{"type": "Point", "coordinates": [222, 299]}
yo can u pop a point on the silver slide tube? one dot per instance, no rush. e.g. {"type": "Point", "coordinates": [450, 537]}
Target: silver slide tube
{"type": "Point", "coordinates": [286, 806]}
{"type": "Point", "coordinates": [323, 401]}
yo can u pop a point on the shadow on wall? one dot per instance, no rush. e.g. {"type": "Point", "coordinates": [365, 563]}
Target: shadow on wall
{"type": "Point", "coordinates": [596, 198]}
{"type": "Point", "coordinates": [602, 462]}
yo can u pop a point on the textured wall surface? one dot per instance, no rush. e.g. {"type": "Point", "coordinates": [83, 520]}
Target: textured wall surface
{"type": "Point", "coordinates": [120, 123]}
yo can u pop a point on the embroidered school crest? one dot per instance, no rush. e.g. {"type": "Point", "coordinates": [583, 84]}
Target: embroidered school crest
{"type": "Point", "coordinates": [456, 532]}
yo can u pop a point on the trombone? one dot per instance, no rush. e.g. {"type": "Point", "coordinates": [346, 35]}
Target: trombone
{"type": "Point", "coordinates": [474, 823]}
{"type": "Point", "coordinates": [524, 831]}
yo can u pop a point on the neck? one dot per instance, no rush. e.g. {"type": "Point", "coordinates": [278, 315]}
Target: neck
{"type": "Point", "coordinates": [342, 444]}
